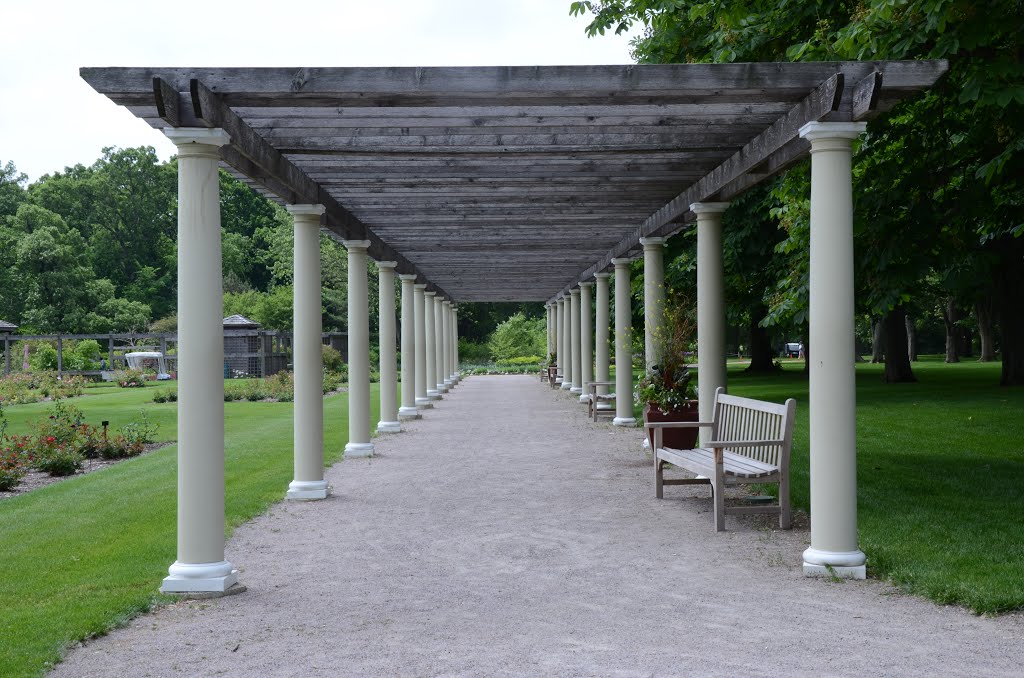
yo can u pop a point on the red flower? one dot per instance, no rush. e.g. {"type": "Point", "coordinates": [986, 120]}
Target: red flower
{"type": "Point", "coordinates": [50, 439]}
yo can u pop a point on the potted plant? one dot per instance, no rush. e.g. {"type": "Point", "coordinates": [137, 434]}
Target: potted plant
{"type": "Point", "coordinates": [666, 391]}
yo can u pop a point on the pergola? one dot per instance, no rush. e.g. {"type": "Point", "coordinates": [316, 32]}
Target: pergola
{"type": "Point", "coordinates": [505, 184]}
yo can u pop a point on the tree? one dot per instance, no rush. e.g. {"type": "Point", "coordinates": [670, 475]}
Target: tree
{"type": "Point", "coordinates": [517, 337]}
{"type": "Point", "coordinates": [12, 189]}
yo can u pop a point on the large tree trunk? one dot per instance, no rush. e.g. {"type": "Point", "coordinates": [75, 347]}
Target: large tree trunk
{"type": "Point", "coordinates": [950, 315]}
{"type": "Point", "coordinates": [983, 314]}
{"type": "Point", "coordinates": [878, 342]}
{"type": "Point", "coordinates": [1009, 294]}
{"type": "Point", "coordinates": [762, 357]}
{"type": "Point", "coordinates": [897, 362]}
{"type": "Point", "coordinates": [911, 339]}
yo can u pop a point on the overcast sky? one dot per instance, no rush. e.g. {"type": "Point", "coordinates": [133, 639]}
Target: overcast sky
{"type": "Point", "coordinates": [50, 119]}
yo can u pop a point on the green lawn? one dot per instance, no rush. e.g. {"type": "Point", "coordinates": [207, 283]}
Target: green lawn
{"type": "Point", "coordinates": [83, 555]}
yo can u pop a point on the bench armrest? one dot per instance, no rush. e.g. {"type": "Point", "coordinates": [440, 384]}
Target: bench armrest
{"type": "Point", "coordinates": [677, 424]}
{"type": "Point", "coordinates": [741, 443]}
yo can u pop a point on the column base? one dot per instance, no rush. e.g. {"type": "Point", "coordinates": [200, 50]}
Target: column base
{"type": "Point", "coordinates": [424, 404]}
{"type": "Point", "coordinates": [576, 389]}
{"type": "Point", "coordinates": [605, 406]}
{"type": "Point", "coordinates": [585, 398]}
{"type": "Point", "coordinates": [566, 385]}
{"type": "Point", "coordinates": [646, 444]}
{"type": "Point", "coordinates": [199, 577]}
{"type": "Point", "coordinates": [389, 427]}
{"type": "Point", "coordinates": [845, 564]}
{"type": "Point", "coordinates": [308, 490]}
{"type": "Point", "coordinates": [433, 395]}
{"type": "Point", "coordinates": [624, 421]}
{"type": "Point", "coordinates": [354, 450]}
{"type": "Point", "coordinates": [449, 382]}
{"type": "Point", "coordinates": [409, 413]}
{"type": "Point", "coordinates": [442, 388]}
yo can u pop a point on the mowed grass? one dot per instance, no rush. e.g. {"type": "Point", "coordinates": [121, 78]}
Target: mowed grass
{"type": "Point", "coordinates": [84, 555]}
{"type": "Point", "coordinates": [940, 477]}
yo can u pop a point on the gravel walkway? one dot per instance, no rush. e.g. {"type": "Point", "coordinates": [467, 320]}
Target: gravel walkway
{"type": "Point", "coordinates": [506, 535]}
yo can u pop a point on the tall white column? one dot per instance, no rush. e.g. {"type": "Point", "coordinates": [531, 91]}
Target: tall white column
{"type": "Point", "coordinates": [559, 335]}
{"type": "Point", "coordinates": [439, 345]}
{"type": "Point", "coordinates": [586, 339]}
{"type": "Point", "coordinates": [430, 333]}
{"type": "Point", "coordinates": [833, 402]}
{"type": "Point", "coordinates": [710, 307]}
{"type": "Point", "coordinates": [359, 444]}
{"type": "Point", "coordinates": [654, 300]}
{"type": "Point", "coordinates": [388, 339]}
{"type": "Point", "coordinates": [408, 410]}
{"type": "Point", "coordinates": [456, 377]}
{"type": "Point", "coordinates": [547, 327]}
{"type": "Point", "coordinates": [200, 565]}
{"type": "Point", "coordinates": [420, 308]}
{"type": "Point", "coordinates": [307, 357]}
{"type": "Point", "coordinates": [623, 346]}
{"type": "Point", "coordinates": [574, 318]}
{"type": "Point", "coordinates": [446, 367]}
{"type": "Point", "coordinates": [601, 329]}
{"type": "Point", "coordinates": [567, 342]}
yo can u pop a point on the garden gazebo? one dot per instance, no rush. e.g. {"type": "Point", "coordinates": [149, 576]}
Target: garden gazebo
{"type": "Point", "coordinates": [504, 183]}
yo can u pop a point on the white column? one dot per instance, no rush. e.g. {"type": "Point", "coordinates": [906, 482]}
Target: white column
{"type": "Point", "coordinates": [586, 339]}
{"type": "Point", "coordinates": [359, 444]}
{"type": "Point", "coordinates": [307, 357]}
{"type": "Point", "coordinates": [567, 342]}
{"type": "Point", "coordinates": [601, 329]}
{"type": "Point", "coordinates": [439, 345]}
{"type": "Point", "coordinates": [446, 368]}
{"type": "Point", "coordinates": [547, 326]}
{"type": "Point", "coordinates": [430, 334]}
{"type": "Point", "coordinates": [559, 335]}
{"type": "Point", "coordinates": [833, 434]}
{"type": "Point", "coordinates": [654, 300]}
{"type": "Point", "coordinates": [388, 338]}
{"type": "Point", "coordinates": [710, 307]}
{"type": "Point", "coordinates": [408, 410]}
{"type": "Point", "coordinates": [200, 565]}
{"type": "Point", "coordinates": [574, 318]}
{"type": "Point", "coordinates": [456, 377]}
{"type": "Point", "coordinates": [623, 346]}
{"type": "Point", "coordinates": [420, 309]}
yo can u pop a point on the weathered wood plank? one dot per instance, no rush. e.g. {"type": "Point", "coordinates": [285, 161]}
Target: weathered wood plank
{"type": "Point", "coordinates": [865, 96]}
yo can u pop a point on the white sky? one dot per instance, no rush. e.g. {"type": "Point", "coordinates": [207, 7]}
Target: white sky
{"type": "Point", "coordinates": [50, 118]}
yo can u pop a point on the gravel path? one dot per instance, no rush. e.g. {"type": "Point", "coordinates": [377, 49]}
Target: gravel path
{"type": "Point", "coordinates": [506, 535]}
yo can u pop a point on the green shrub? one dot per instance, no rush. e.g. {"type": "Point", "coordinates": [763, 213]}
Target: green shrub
{"type": "Point", "coordinates": [60, 461]}
{"type": "Point", "coordinates": [333, 362]}
{"type": "Point", "coordinates": [473, 353]}
{"type": "Point", "coordinates": [516, 337]}
{"type": "Point", "coordinates": [531, 361]}
{"type": "Point", "coordinates": [43, 358]}
{"type": "Point", "coordinates": [130, 378]}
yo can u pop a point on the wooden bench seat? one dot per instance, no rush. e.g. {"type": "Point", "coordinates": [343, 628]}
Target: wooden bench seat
{"type": "Point", "coordinates": [595, 400]}
{"type": "Point", "coordinates": [750, 443]}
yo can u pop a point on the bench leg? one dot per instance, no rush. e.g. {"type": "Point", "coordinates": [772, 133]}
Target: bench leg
{"type": "Point", "coordinates": [659, 485]}
{"type": "Point", "coordinates": [785, 514]}
{"type": "Point", "coordinates": [719, 492]}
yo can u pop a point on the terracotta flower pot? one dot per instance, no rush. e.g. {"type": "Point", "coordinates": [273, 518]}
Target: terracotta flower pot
{"type": "Point", "coordinates": [677, 438]}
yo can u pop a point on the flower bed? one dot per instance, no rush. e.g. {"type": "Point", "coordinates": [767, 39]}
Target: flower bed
{"type": "Point", "coordinates": [36, 386]}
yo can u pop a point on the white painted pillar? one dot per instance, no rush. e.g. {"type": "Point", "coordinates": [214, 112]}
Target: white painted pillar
{"type": "Point", "coordinates": [559, 335]}
{"type": "Point", "coordinates": [456, 377]}
{"type": "Point", "coordinates": [430, 334]}
{"type": "Point", "coordinates": [833, 402]}
{"type": "Point", "coordinates": [623, 346]}
{"type": "Point", "coordinates": [654, 300]}
{"type": "Point", "coordinates": [574, 329]}
{"type": "Point", "coordinates": [408, 410]}
{"type": "Point", "coordinates": [547, 326]}
{"type": "Point", "coordinates": [388, 358]}
{"type": "Point", "coordinates": [567, 341]}
{"type": "Point", "coordinates": [420, 308]}
{"type": "Point", "coordinates": [601, 329]}
{"type": "Point", "coordinates": [307, 357]}
{"type": "Point", "coordinates": [200, 565]}
{"type": "Point", "coordinates": [439, 345]}
{"type": "Point", "coordinates": [446, 368]}
{"type": "Point", "coordinates": [586, 340]}
{"type": "Point", "coordinates": [359, 444]}
{"type": "Point", "coordinates": [710, 307]}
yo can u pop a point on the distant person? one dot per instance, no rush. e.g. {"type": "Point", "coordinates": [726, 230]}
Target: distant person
{"type": "Point", "coordinates": [800, 351]}
{"type": "Point", "coordinates": [103, 363]}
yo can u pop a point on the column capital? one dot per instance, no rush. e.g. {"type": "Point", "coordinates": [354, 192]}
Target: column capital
{"type": "Point", "coordinates": [652, 243]}
{"type": "Point", "coordinates": [388, 265]}
{"type": "Point", "coordinates": [448, 302]}
{"type": "Point", "coordinates": [305, 210]}
{"type": "Point", "coordinates": [183, 137]}
{"type": "Point", "coordinates": [603, 275]}
{"type": "Point", "coordinates": [813, 131]}
{"type": "Point", "coordinates": [428, 293]}
{"type": "Point", "coordinates": [352, 245]}
{"type": "Point", "coordinates": [574, 292]}
{"type": "Point", "coordinates": [421, 286]}
{"type": "Point", "coordinates": [621, 261]}
{"type": "Point", "coordinates": [407, 276]}
{"type": "Point", "coordinates": [586, 284]}
{"type": "Point", "coordinates": [700, 208]}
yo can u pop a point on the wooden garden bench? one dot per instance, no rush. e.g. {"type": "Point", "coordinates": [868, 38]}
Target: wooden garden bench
{"type": "Point", "coordinates": [750, 443]}
{"type": "Point", "coordinates": [593, 400]}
